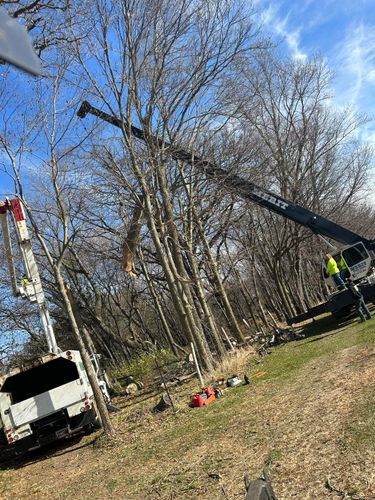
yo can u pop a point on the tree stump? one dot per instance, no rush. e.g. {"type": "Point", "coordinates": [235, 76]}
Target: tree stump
{"type": "Point", "coordinates": [164, 403]}
{"type": "Point", "coordinates": [131, 389]}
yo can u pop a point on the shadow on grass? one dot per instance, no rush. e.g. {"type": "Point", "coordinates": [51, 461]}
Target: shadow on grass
{"type": "Point", "coordinates": [325, 326]}
{"type": "Point", "coordinates": [11, 460]}
{"type": "Point", "coordinates": [329, 324]}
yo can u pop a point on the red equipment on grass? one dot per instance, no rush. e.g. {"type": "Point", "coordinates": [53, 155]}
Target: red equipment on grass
{"type": "Point", "coordinates": [203, 398]}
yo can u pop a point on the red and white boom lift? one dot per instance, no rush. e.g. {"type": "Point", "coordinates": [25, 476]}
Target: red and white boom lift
{"type": "Point", "coordinates": [30, 286]}
{"type": "Point", "coordinates": [49, 397]}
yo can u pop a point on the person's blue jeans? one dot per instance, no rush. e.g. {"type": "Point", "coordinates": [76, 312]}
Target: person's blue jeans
{"type": "Point", "coordinates": [344, 274]}
{"type": "Point", "coordinates": [362, 309]}
{"type": "Point", "coordinates": [338, 280]}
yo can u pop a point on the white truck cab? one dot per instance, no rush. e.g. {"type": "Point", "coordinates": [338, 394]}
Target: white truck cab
{"type": "Point", "coordinates": [45, 401]}
{"type": "Point", "coordinates": [354, 263]}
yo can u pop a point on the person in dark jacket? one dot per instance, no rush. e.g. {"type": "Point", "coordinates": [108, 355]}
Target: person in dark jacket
{"type": "Point", "coordinates": [362, 310]}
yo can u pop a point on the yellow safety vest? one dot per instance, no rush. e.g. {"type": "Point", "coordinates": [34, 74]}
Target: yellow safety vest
{"type": "Point", "coordinates": [342, 264]}
{"type": "Point", "coordinates": [332, 267]}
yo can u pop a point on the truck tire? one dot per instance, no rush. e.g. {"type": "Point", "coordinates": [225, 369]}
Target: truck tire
{"type": "Point", "coordinates": [3, 440]}
{"type": "Point", "coordinates": [92, 427]}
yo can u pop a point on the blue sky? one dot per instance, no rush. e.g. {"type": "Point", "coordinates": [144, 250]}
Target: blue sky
{"type": "Point", "coordinates": [342, 32]}
{"type": "Point", "coordinates": [6, 186]}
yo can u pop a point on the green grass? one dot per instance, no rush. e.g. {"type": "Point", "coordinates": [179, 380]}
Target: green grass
{"type": "Point", "coordinates": [111, 485]}
{"type": "Point", "coordinates": [359, 434]}
{"type": "Point", "coordinates": [273, 456]}
{"type": "Point", "coordinates": [171, 456]}
{"type": "Point", "coordinates": [230, 411]}
{"type": "Point", "coordinates": [280, 366]}
{"type": "Point", "coordinates": [286, 360]}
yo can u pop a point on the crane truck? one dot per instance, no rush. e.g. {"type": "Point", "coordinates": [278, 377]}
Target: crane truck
{"type": "Point", "coordinates": [50, 397]}
{"type": "Point", "coordinates": [358, 252]}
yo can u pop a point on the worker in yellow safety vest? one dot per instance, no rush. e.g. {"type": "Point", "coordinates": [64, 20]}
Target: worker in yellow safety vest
{"type": "Point", "coordinates": [344, 273]}
{"type": "Point", "coordinates": [333, 270]}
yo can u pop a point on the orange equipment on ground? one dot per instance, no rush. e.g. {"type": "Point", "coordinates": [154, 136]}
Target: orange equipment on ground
{"type": "Point", "coordinates": [203, 398]}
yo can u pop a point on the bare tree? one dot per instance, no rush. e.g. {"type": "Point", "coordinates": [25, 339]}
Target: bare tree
{"type": "Point", "coordinates": [58, 235]}
{"type": "Point", "coordinates": [307, 152]}
{"type": "Point", "coordinates": [45, 20]}
{"type": "Point", "coordinates": [157, 64]}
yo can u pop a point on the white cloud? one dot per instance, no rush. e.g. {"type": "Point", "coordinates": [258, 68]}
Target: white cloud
{"type": "Point", "coordinates": [356, 65]}
{"type": "Point", "coordinates": [369, 136]}
{"type": "Point", "coordinates": [371, 76]}
{"type": "Point", "coordinates": [279, 25]}
{"type": "Point", "coordinates": [293, 40]}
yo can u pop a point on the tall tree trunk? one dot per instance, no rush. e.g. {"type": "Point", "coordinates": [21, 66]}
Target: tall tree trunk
{"type": "Point", "coordinates": [179, 299]}
{"type": "Point", "coordinates": [159, 308]}
{"type": "Point", "coordinates": [102, 408]}
{"type": "Point", "coordinates": [234, 325]}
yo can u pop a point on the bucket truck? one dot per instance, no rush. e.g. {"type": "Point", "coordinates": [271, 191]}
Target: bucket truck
{"type": "Point", "coordinates": [50, 397]}
{"type": "Point", "coordinates": [358, 253]}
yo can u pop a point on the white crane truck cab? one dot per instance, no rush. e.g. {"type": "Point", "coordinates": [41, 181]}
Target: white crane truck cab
{"type": "Point", "coordinates": [354, 262]}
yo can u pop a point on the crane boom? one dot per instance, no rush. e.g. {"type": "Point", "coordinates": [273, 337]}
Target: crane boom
{"type": "Point", "coordinates": [8, 251]}
{"type": "Point", "coordinates": [242, 187]}
{"type": "Point", "coordinates": [31, 285]}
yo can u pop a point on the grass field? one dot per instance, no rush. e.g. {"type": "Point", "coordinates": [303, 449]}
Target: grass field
{"type": "Point", "coordinates": [308, 414]}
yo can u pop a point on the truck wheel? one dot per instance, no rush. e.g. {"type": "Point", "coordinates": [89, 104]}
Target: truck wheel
{"type": "Point", "coordinates": [96, 424]}
{"type": "Point", "coordinates": [3, 440]}
{"type": "Point", "coordinates": [88, 429]}
{"type": "Point", "coordinates": [92, 427]}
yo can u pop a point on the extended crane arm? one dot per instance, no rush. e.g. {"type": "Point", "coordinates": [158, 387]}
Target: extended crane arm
{"type": "Point", "coordinates": [244, 188]}
{"type": "Point", "coordinates": [30, 285]}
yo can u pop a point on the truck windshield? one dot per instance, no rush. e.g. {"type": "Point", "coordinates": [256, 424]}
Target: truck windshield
{"type": "Point", "coordinates": [39, 379]}
{"type": "Point", "coordinates": [355, 254]}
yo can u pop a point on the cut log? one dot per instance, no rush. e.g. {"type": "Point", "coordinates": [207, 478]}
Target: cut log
{"type": "Point", "coordinates": [131, 389]}
{"type": "Point", "coordinates": [179, 380]}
